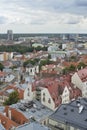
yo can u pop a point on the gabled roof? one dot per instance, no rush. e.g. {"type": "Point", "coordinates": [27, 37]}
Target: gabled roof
{"type": "Point", "coordinates": [6, 122]}
{"type": "Point", "coordinates": [16, 115]}
{"type": "Point", "coordinates": [12, 88]}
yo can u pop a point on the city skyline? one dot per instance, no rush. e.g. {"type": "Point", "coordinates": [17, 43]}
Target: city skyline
{"type": "Point", "coordinates": [43, 16]}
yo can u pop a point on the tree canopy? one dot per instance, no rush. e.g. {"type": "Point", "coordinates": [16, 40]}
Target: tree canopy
{"type": "Point", "coordinates": [13, 98]}
{"type": "Point", "coordinates": [1, 67]}
{"type": "Point", "coordinates": [20, 49]}
{"type": "Point", "coordinates": [33, 62]}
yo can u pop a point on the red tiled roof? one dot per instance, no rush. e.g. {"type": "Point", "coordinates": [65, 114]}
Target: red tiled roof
{"type": "Point", "coordinates": [6, 122]}
{"type": "Point", "coordinates": [2, 73]}
{"type": "Point", "coordinates": [20, 91]}
{"type": "Point", "coordinates": [16, 116]}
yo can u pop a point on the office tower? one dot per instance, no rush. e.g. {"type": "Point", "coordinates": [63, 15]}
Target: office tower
{"type": "Point", "coordinates": [9, 34]}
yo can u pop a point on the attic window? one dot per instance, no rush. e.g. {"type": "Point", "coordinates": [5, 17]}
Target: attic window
{"type": "Point", "coordinates": [64, 108]}
{"type": "Point", "coordinates": [72, 110]}
{"type": "Point", "coordinates": [28, 94]}
{"type": "Point", "coordinates": [65, 113]}
{"type": "Point", "coordinates": [43, 94]}
{"type": "Point", "coordinates": [86, 120]}
{"type": "Point", "coordinates": [43, 99]}
{"type": "Point", "coordinates": [49, 101]}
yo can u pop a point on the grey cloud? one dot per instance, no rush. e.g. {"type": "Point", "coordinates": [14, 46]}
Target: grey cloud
{"type": "Point", "coordinates": [56, 6]}
{"type": "Point", "coordinates": [81, 3]}
{"type": "Point", "coordinates": [73, 22]}
{"type": "Point", "coordinates": [38, 22]}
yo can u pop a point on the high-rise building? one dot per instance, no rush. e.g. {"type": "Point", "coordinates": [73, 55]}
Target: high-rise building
{"type": "Point", "coordinates": [9, 34]}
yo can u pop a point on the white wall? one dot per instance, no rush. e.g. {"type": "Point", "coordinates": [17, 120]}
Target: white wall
{"type": "Point", "coordinates": [28, 93]}
{"type": "Point", "coordinates": [1, 57]}
{"type": "Point", "coordinates": [66, 95]}
{"type": "Point", "coordinates": [75, 79]}
{"type": "Point", "coordinates": [32, 70]}
{"type": "Point", "coordinates": [84, 90]}
{"type": "Point", "coordinates": [50, 105]}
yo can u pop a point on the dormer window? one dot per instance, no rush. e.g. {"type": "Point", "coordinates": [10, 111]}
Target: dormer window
{"type": "Point", "coordinates": [31, 70]}
{"type": "Point", "coordinates": [28, 94]}
{"type": "Point", "coordinates": [43, 99]}
{"type": "Point", "coordinates": [43, 94]}
{"type": "Point", "coordinates": [28, 89]}
{"type": "Point", "coordinates": [49, 101]}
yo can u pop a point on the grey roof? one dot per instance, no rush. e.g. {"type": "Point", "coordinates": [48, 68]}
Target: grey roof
{"type": "Point", "coordinates": [2, 127]}
{"type": "Point", "coordinates": [38, 111]}
{"type": "Point", "coordinates": [70, 114]}
{"type": "Point", "coordinates": [32, 126]}
{"type": "Point", "coordinates": [29, 79]}
{"type": "Point", "coordinates": [30, 65]}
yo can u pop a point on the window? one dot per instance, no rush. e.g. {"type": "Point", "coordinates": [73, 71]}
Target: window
{"type": "Point", "coordinates": [35, 69]}
{"type": "Point", "coordinates": [49, 101]}
{"type": "Point", "coordinates": [54, 99]}
{"type": "Point", "coordinates": [43, 99]}
{"type": "Point", "coordinates": [43, 94]}
{"type": "Point", "coordinates": [31, 70]}
{"type": "Point", "coordinates": [28, 94]}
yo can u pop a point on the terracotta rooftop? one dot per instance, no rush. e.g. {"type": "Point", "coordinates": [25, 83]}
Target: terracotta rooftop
{"type": "Point", "coordinates": [15, 115]}
{"type": "Point", "coordinates": [2, 73]}
{"type": "Point", "coordinates": [6, 122]}
{"type": "Point", "coordinates": [20, 91]}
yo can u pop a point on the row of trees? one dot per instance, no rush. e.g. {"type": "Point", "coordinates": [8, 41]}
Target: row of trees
{"type": "Point", "coordinates": [36, 60]}
{"type": "Point", "coordinates": [20, 49]}
{"type": "Point", "coordinates": [73, 68]}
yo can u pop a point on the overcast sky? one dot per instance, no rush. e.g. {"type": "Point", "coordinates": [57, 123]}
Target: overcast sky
{"type": "Point", "coordinates": [43, 16]}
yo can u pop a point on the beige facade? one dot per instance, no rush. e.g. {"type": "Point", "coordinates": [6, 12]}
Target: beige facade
{"type": "Point", "coordinates": [28, 93]}
{"type": "Point", "coordinates": [77, 81]}
{"type": "Point", "coordinates": [46, 99]}
{"type": "Point", "coordinates": [60, 125]}
{"type": "Point", "coordinates": [32, 70]}
{"type": "Point", "coordinates": [80, 84]}
{"type": "Point", "coordinates": [66, 95]}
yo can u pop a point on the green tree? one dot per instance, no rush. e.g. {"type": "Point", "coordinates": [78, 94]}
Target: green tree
{"type": "Point", "coordinates": [44, 62]}
{"type": "Point", "coordinates": [73, 58]}
{"type": "Point", "coordinates": [33, 62]}
{"type": "Point", "coordinates": [1, 67]}
{"type": "Point", "coordinates": [72, 68]}
{"type": "Point", "coordinates": [49, 56]}
{"type": "Point", "coordinates": [81, 64]}
{"type": "Point", "coordinates": [13, 98]}
{"type": "Point", "coordinates": [65, 70]}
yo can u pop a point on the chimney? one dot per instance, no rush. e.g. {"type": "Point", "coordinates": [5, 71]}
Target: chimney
{"type": "Point", "coordinates": [81, 67]}
{"type": "Point", "coordinates": [4, 113]}
{"type": "Point", "coordinates": [9, 114]}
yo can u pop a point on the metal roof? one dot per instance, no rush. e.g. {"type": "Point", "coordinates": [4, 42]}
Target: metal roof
{"type": "Point", "coordinates": [2, 127]}
{"type": "Point", "coordinates": [33, 126]}
{"type": "Point", "coordinates": [37, 111]}
{"type": "Point", "coordinates": [72, 114]}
